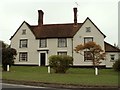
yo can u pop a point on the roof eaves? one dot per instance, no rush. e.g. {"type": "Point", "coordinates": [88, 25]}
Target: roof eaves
{"type": "Point", "coordinates": [52, 37]}
{"type": "Point", "coordinates": [78, 28]}
{"type": "Point", "coordinates": [17, 30]}
{"type": "Point", "coordinates": [118, 50]}
{"type": "Point", "coordinates": [30, 28]}
{"type": "Point", "coordinates": [95, 26]}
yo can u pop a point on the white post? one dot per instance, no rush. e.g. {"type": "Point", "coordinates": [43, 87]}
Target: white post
{"type": "Point", "coordinates": [8, 68]}
{"type": "Point", "coordinates": [96, 71]}
{"type": "Point", "coordinates": [48, 69]}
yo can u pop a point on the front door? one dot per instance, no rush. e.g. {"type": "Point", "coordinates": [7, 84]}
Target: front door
{"type": "Point", "coordinates": [42, 59]}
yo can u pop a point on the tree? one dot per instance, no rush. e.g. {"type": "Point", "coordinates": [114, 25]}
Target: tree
{"type": "Point", "coordinates": [60, 63]}
{"type": "Point", "coordinates": [95, 51]}
{"type": "Point", "coordinates": [8, 56]}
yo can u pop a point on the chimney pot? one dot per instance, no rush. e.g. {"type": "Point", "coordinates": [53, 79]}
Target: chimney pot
{"type": "Point", "coordinates": [40, 17]}
{"type": "Point", "coordinates": [75, 15]}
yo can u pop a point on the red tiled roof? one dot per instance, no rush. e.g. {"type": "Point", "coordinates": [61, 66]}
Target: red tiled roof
{"type": "Point", "coordinates": [58, 30]}
{"type": "Point", "coordinates": [55, 30]}
{"type": "Point", "coordinates": [110, 48]}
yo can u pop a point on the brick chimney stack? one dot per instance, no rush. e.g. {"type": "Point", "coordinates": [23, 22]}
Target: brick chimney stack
{"type": "Point", "coordinates": [75, 15]}
{"type": "Point", "coordinates": [40, 17]}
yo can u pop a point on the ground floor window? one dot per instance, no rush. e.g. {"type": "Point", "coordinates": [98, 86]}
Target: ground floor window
{"type": "Point", "coordinates": [62, 53]}
{"type": "Point", "coordinates": [87, 56]}
{"type": "Point", "coordinates": [112, 57]}
{"type": "Point", "coordinates": [23, 56]}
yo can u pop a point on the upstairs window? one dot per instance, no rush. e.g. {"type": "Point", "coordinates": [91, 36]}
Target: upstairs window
{"type": "Point", "coordinates": [43, 43]}
{"type": "Point", "coordinates": [88, 39]}
{"type": "Point", "coordinates": [88, 29]}
{"type": "Point", "coordinates": [23, 43]}
{"type": "Point", "coordinates": [62, 42]}
{"type": "Point", "coordinates": [24, 32]}
{"type": "Point", "coordinates": [23, 56]}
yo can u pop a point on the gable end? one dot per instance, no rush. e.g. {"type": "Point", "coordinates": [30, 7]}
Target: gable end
{"type": "Point", "coordinates": [94, 25]}
{"type": "Point", "coordinates": [19, 28]}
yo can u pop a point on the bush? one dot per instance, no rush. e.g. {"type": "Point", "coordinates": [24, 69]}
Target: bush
{"type": "Point", "coordinates": [8, 56]}
{"type": "Point", "coordinates": [116, 65]}
{"type": "Point", "coordinates": [60, 63]}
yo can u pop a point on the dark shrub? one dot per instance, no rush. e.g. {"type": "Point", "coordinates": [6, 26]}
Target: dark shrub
{"type": "Point", "coordinates": [60, 63]}
{"type": "Point", "coordinates": [8, 56]}
{"type": "Point", "coordinates": [116, 65]}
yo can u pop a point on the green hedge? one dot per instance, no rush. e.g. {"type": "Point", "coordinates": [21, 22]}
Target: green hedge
{"type": "Point", "coordinates": [60, 63]}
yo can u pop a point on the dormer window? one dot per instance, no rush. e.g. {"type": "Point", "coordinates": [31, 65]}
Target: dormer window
{"type": "Point", "coordinates": [88, 29]}
{"type": "Point", "coordinates": [24, 32]}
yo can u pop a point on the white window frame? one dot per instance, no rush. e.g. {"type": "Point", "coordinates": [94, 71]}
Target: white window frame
{"type": "Point", "coordinates": [23, 56]}
{"type": "Point", "coordinates": [87, 56]}
{"type": "Point", "coordinates": [88, 39]}
{"type": "Point", "coordinates": [62, 42]}
{"type": "Point", "coordinates": [62, 53]}
{"type": "Point", "coordinates": [112, 57]}
{"type": "Point", "coordinates": [43, 43]}
{"type": "Point", "coordinates": [23, 43]}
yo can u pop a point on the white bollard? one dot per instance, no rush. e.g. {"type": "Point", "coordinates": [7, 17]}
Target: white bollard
{"type": "Point", "coordinates": [8, 68]}
{"type": "Point", "coordinates": [96, 71]}
{"type": "Point", "coordinates": [48, 69]}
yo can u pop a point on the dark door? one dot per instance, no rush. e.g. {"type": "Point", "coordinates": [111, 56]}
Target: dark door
{"type": "Point", "coordinates": [42, 55]}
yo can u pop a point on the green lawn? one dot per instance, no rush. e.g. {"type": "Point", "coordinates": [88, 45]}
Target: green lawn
{"type": "Point", "coordinates": [79, 76]}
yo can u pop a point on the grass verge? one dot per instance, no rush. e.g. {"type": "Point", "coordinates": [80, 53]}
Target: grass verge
{"type": "Point", "coordinates": [75, 76]}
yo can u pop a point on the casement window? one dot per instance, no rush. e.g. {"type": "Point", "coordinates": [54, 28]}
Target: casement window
{"type": "Point", "coordinates": [87, 56]}
{"type": "Point", "coordinates": [88, 39]}
{"type": "Point", "coordinates": [24, 32]}
{"type": "Point", "coordinates": [62, 42]}
{"type": "Point", "coordinates": [23, 57]}
{"type": "Point", "coordinates": [62, 53]}
{"type": "Point", "coordinates": [43, 43]}
{"type": "Point", "coordinates": [88, 29]}
{"type": "Point", "coordinates": [23, 43]}
{"type": "Point", "coordinates": [112, 57]}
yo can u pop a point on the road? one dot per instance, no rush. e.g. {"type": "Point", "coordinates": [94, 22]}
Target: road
{"type": "Point", "coordinates": [11, 86]}
{"type": "Point", "coordinates": [26, 87]}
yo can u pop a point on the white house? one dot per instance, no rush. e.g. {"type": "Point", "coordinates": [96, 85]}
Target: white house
{"type": "Point", "coordinates": [35, 43]}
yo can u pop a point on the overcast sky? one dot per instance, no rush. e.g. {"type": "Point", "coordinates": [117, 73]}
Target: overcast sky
{"type": "Point", "coordinates": [104, 13]}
